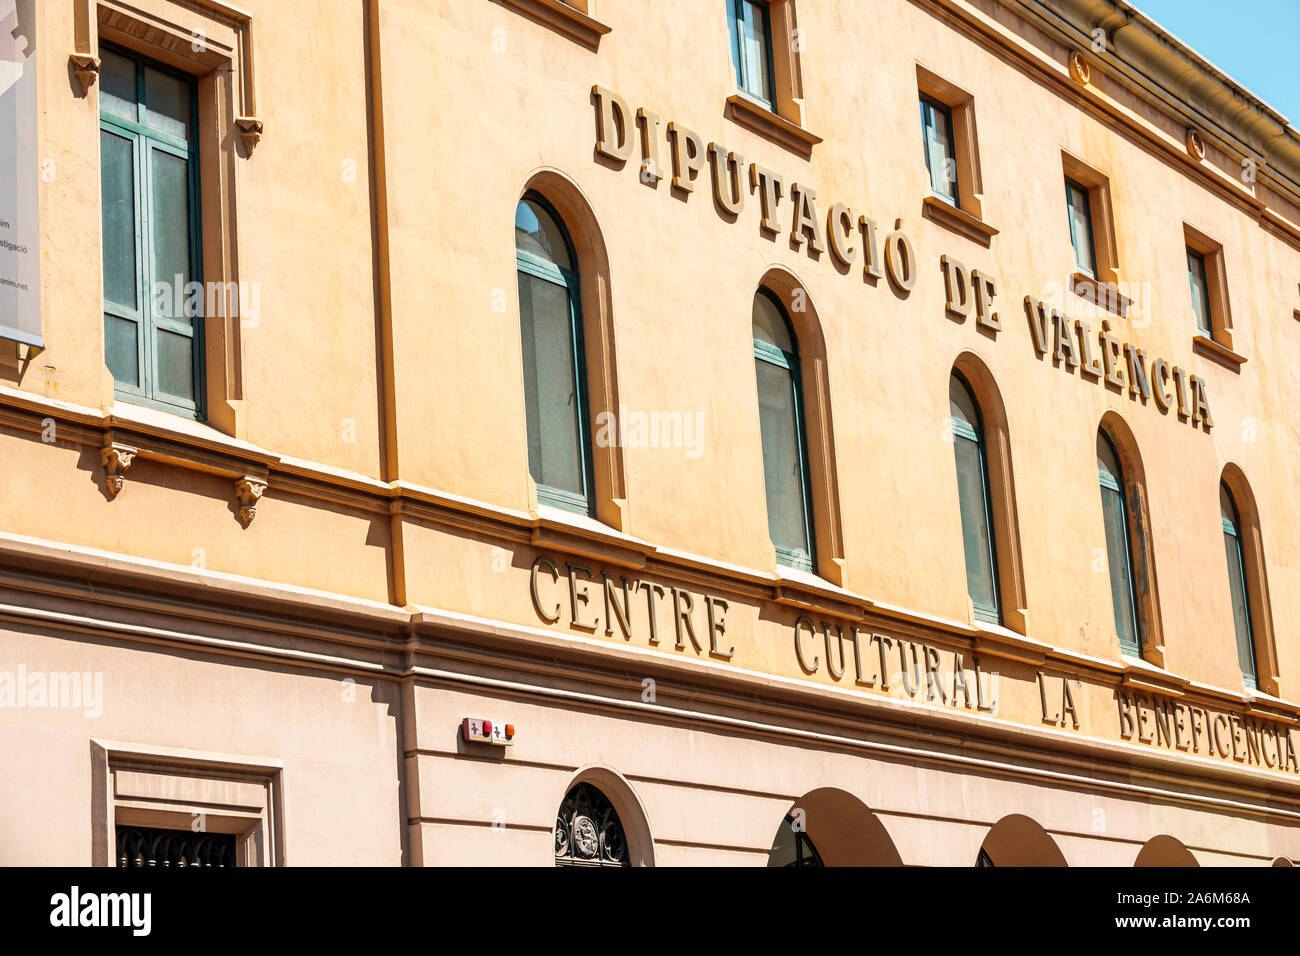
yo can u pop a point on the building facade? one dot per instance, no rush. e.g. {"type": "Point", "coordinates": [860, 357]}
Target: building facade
{"type": "Point", "coordinates": [613, 433]}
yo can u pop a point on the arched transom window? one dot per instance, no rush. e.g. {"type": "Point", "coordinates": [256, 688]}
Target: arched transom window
{"type": "Point", "coordinates": [588, 831]}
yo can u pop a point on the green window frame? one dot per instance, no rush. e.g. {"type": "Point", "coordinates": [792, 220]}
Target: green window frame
{"type": "Point", "coordinates": [149, 153]}
{"type": "Point", "coordinates": [979, 545]}
{"type": "Point", "coordinates": [940, 149]}
{"type": "Point", "coordinates": [1079, 212]}
{"type": "Point", "coordinates": [781, 421]}
{"type": "Point", "coordinates": [750, 25]}
{"type": "Point", "coordinates": [1119, 547]}
{"type": "Point", "coordinates": [1238, 585]}
{"type": "Point", "coordinates": [1196, 276]}
{"type": "Point", "coordinates": [559, 443]}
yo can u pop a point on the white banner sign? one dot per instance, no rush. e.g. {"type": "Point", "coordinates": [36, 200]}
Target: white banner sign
{"type": "Point", "coordinates": [20, 262]}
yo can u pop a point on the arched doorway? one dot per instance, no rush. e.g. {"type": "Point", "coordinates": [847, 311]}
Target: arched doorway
{"type": "Point", "coordinates": [1164, 850]}
{"type": "Point", "coordinates": [831, 827]}
{"type": "Point", "coordinates": [1016, 840]}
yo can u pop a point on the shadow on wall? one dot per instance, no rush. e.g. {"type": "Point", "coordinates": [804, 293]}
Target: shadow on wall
{"type": "Point", "coordinates": [1016, 840]}
{"type": "Point", "coordinates": [1164, 850]}
{"type": "Point", "coordinates": [841, 829]}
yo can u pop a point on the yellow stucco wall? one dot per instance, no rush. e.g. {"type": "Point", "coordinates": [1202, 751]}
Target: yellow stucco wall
{"type": "Point", "coordinates": [428, 503]}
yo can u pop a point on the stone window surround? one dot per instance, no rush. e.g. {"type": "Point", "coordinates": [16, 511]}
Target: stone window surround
{"type": "Point", "coordinates": [784, 123]}
{"type": "Point", "coordinates": [213, 42]}
{"type": "Point", "coordinates": [1104, 290]}
{"type": "Point", "coordinates": [572, 18]}
{"type": "Point", "coordinates": [967, 217]}
{"type": "Point", "coordinates": [1218, 345]}
{"type": "Point", "coordinates": [169, 788]}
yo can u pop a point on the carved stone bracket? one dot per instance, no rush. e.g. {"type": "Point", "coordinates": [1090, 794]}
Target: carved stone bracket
{"type": "Point", "coordinates": [250, 130]}
{"type": "Point", "coordinates": [1195, 144]}
{"type": "Point", "coordinates": [116, 459]}
{"type": "Point", "coordinates": [86, 69]}
{"type": "Point", "coordinates": [248, 491]}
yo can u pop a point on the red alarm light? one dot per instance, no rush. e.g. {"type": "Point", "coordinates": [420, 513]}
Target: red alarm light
{"type": "Point", "coordinates": [477, 730]}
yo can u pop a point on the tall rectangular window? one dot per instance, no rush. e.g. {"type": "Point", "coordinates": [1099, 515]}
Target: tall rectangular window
{"type": "Point", "coordinates": [751, 47]}
{"type": "Point", "coordinates": [1200, 292]}
{"type": "Point", "coordinates": [940, 151]}
{"type": "Point", "coordinates": [1081, 237]}
{"type": "Point", "coordinates": [149, 167]}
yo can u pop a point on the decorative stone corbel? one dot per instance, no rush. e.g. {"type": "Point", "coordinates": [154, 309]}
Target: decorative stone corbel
{"type": "Point", "coordinates": [248, 491]}
{"type": "Point", "coordinates": [1080, 69]}
{"type": "Point", "coordinates": [116, 460]}
{"type": "Point", "coordinates": [250, 130]}
{"type": "Point", "coordinates": [1195, 144]}
{"type": "Point", "coordinates": [86, 69]}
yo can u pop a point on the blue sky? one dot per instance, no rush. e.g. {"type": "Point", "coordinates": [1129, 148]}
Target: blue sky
{"type": "Point", "coordinates": [1255, 43]}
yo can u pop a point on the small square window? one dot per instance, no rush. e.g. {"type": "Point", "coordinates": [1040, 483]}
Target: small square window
{"type": "Point", "coordinates": [765, 55]}
{"type": "Point", "coordinates": [1207, 279]}
{"type": "Point", "coordinates": [750, 24]}
{"type": "Point", "coordinates": [940, 149]}
{"type": "Point", "coordinates": [1200, 292]}
{"type": "Point", "coordinates": [1081, 237]}
{"type": "Point", "coordinates": [1091, 225]}
{"type": "Point", "coordinates": [951, 150]}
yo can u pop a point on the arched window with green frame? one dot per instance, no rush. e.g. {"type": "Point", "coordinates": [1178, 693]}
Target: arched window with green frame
{"type": "Point", "coordinates": [1238, 586]}
{"type": "Point", "coordinates": [555, 380]}
{"type": "Point", "coordinates": [781, 421]}
{"type": "Point", "coordinates": [978, 541]}
{"type": "Point", "coordinates": [1119, 546]}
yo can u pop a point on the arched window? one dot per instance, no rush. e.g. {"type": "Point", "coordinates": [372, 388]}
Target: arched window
{"type": "Point", "coordinates": [555, 386]}
{"type": "Point", "coordinates": [792, 847]}
{"type": "Point", "coordinates": [1239, 586]}
{"type": "Point", "coordinates": [588, 831]}
{"type": "Point", "coordinates": [975, 501]}
{"type": "Point", "coordinates": [1119, 546]}
{"type": "Point", "coordinates": [781, 420]}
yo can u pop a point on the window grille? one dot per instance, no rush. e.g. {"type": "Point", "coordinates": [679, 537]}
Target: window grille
{"type": "Point", "coordinates": [143, 847]}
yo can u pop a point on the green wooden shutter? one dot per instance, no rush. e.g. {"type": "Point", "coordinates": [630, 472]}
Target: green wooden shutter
{"type": "Point", "coordinates": [153, 294]}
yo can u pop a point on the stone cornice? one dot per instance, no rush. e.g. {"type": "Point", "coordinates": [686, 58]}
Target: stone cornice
{"type": "Point", "coordinates": [1184, 79]}
{"type": "Point", "coordinates": [532, 663]}
{"type": "Point", "coordinates": [563, 17]}
{"type": "Point", "coordinates": [193, 446]}
{"type": "Point", "coordinates": [153, 604]}
{"type": "Point", "coordinates": [1154, 67]}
